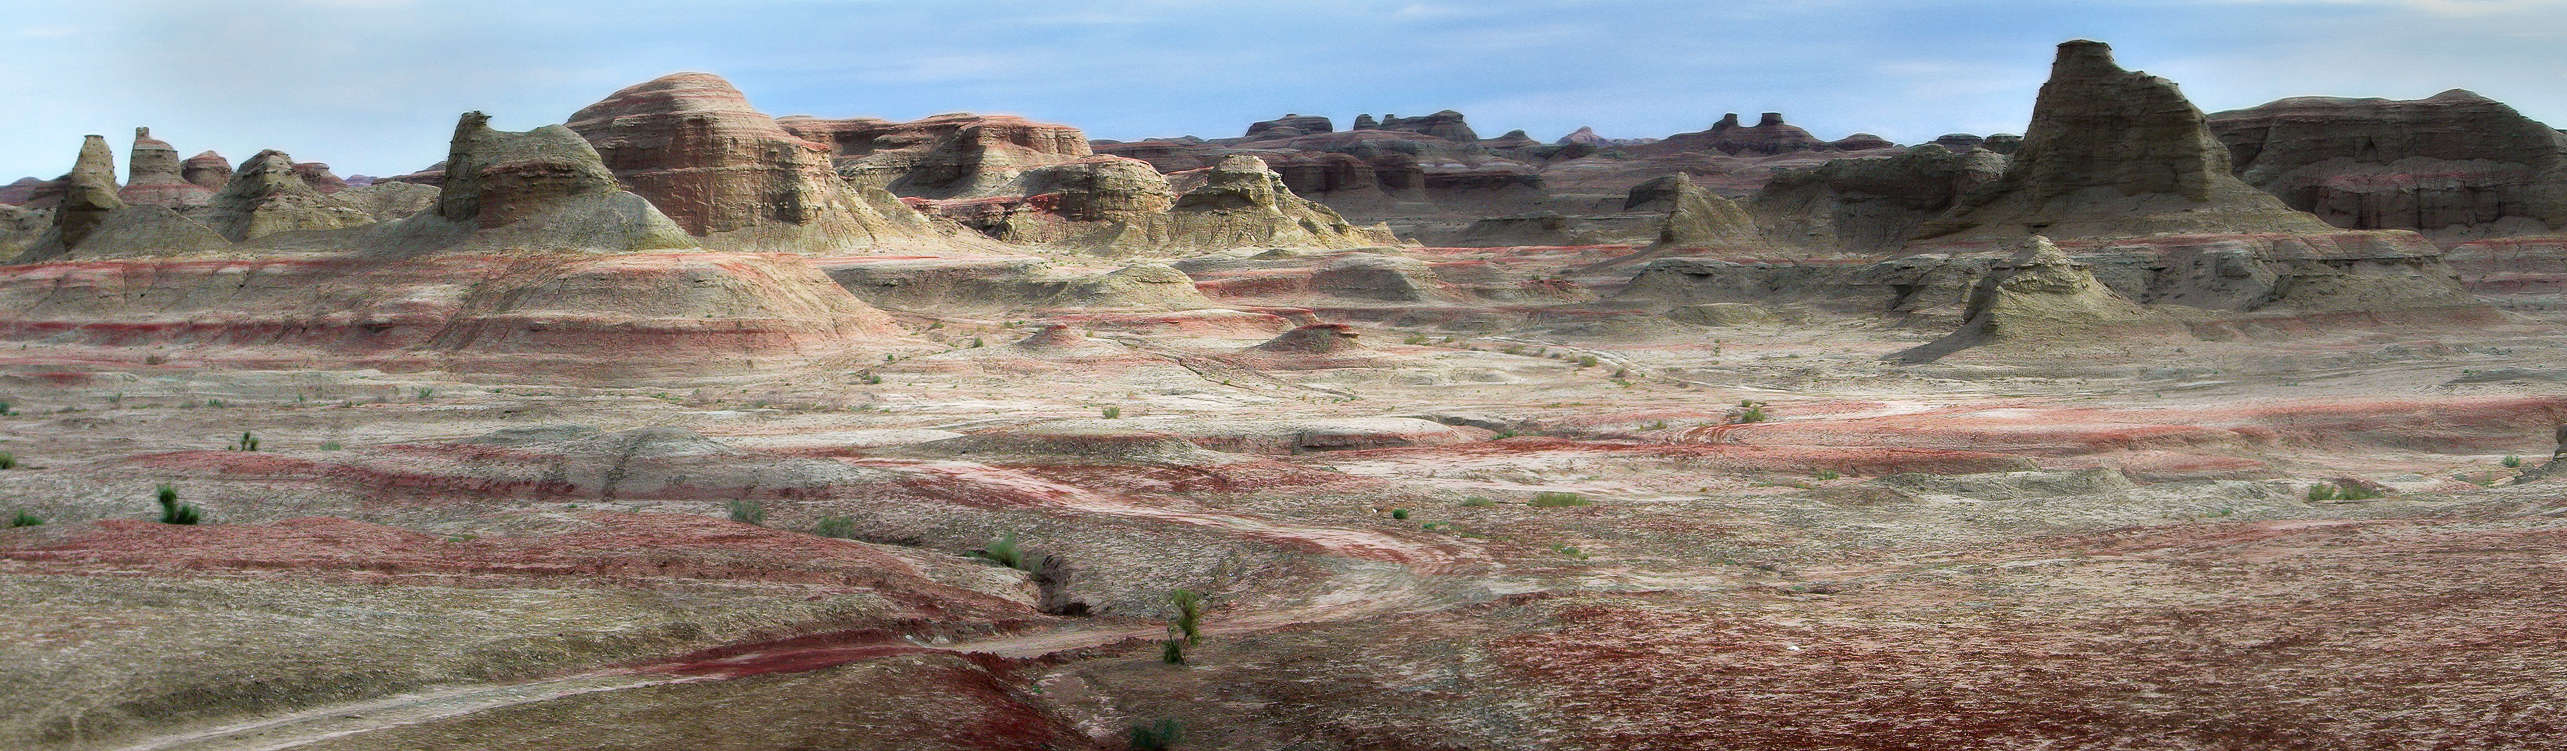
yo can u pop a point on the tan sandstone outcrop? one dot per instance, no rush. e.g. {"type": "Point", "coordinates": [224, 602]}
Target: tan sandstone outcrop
{"type": "Point", "coordinates": [267, 197]}
{"type": "Point", "coordinates": [154, 176]}
{"type": "Point", "coordinates": [693, 146]}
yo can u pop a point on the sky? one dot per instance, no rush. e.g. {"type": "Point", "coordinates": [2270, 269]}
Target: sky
{"type": "Point", "coordinates": [374, 86]}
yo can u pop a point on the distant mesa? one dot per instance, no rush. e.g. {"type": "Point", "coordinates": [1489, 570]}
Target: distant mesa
{"type": "Point", "coordinates": [1291, 125]}
{"type": "Point", "coordinates": [2453, 164]}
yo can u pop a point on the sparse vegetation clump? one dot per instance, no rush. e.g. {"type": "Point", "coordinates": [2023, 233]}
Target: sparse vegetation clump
{"type": "Point", "coordinates": [1558, 499]}
{"type": "Point", "coordinates": [1157, 736]}
{"type": "Point", "coordinates": [24, 519]}
{"type": "Point", "coordinates": [8, 460]}
{"type": "Point", "coordinates": [1113, 413]}
{"type": "Point", "coordinates": [835, 526]}
{"type": "Point", "coordinates": [1188, 623]}
{"type": "Point", "coordinates": [247, 442]}
{"type": "Point", "coordinates": [1172, 651]}
{"type": "Point", "coordinates": [2343, 491]}
{"type": "Point", "coordinates": [1749, 410]}
{"type": "Point", "coordinates": [1399, 513]}
{"type": "Point", "coordinates": [2513, 462]}
{"type": "Point", "coordinates": [1825, 475]}
{"type": "Point", "coordinates": [747, 511]}
{"type": "Point", "coordinates": [1004, 551]}
{"type": "Point", "coordinates": [1478, 502]}
{"type": "Point", "coordinates": [173, 512]}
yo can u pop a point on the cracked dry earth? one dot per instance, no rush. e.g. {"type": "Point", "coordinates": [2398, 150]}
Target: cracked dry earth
{"type": "Point", "coordinates": [2071, 552]}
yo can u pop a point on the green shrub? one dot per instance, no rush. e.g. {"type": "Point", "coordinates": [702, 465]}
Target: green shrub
{"type": "Point", "coordinates": [24, 519]}
{"type": "Point", "coordinates": [1415, 339]}
{"type": "Point", "coordinates": [1749, 410]}
{"type": "Point", "coordinates": [869, 379]}
{"type": "Point", "coordinates": [1189, 619]}
{"type": "Point", "coordinates": [1828, 474]}
{"type": "Point", "coordinates": [2512, 462]}
{"type": "Point", "coordinates": [8, 460]}
{"type": "Point", "coordinates": [332, 446]}
{"type": "Point", "coordinates": [1571, 551]}
{"type": "Point", "coordinates": [1558, 499]}
{"type": "Point", "coordinates": [1399, 513]}
{"type": "Point", "coordinates": [1172, 651]}
{"type": "Point", "coordinates": [7, 409]}
{"type": "Point", "coordinates": [1478, 502]}
{"type": "Point", "coordinates": [173, 512]}
{"type": "Point", "coordinates": [747, 511]}
{"type": "Point", "coordinates": [2324, 491]}
{"type": "Point", "coordinates": [247, 442]}
{"type": "Point", "coordinates": [1586, 361]}
{"type": "Point", "coordinates": [835, 526]}
{"type": "Point", "coordinates": [1157, 736]}
{"type": "Point", "coordinates": [977, 343]}
{"type": "Point", "coordinates": [1114, 413]}
{"type": "Point", "coordinates": [426, 393]}
{"type": "Point", "coordinates": [1004, 551]}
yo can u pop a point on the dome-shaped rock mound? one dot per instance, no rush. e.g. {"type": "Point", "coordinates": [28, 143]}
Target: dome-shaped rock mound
{"type": "Point", "coordinates": [693, 146]}
{"type": "Point", "coordinates": [1058, 337]}
{"type": "Point", "coordinates": [2040, 298]}
{"type": "Point", "coordinates": [155, 177]}
{"type": "Point", "coordinates": [1315, 339]}
{"type": "Point", "coordinates": [542, 189]}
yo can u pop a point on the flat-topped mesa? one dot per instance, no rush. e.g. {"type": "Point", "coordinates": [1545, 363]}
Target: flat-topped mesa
{"type": "Point", "coordinates": [693, 146]}
{"type": "Point", "coordinates": [267, 197]}
{"type": "Point", "coordinates": [89, 192]}
{"type": "Point", "coordinates": [1447, 125]}
{"type": "Point", "coordinates": [1291, 125]}
{"type": "Point", "coordinates": [155, 177]}
{"type": "Point", "coordinates": [2112, 152]}
{"type": "Point", "coordinates": [1869, 205]}
{"type": "Point", "coordinates": [206, 169]}
{"type": "Point", "coordinates": [2453, 164]}
{"type": "Point", "coordinates": [944, 156]}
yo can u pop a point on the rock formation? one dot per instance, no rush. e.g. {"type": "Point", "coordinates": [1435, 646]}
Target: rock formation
{"type": "Point", "coordinates": [945, 156]}
{"type": "Point", "coordinates": [2114, 152]}
{"type": "Point", "coordinates": [1770, 135]}
{"type": "Point", "coordinates": [1314, 339]}
{"type": "Point", "coordinates": [1290, 125]}
{"type": "Point", "coordinates": [319, 176]}
{"type": "Point", "coordinates": [1447, 125]}
{"type": "Point", "coordinates": [207, 169]}
{"type": "Point", "coordinates": [1694, 217]}
{"type": "Point", "coordinates": [1240, 202]}
{"type": "Point", "coordinates": [1584, 134]}
{"type": "Point", "coordinates": [542, 188]}
{"type": "Point", "coordinates": [267, 197]}
{"type": "Point", "coordinates": [23, 191]}
{"type": "Point", "coordinates": [2454, 164]}
{"type": "Point", "coordinates": [89, 193]}
{"type": "Point", "coordinates": [1365, 122]}
{"type": "Point", "coordinates": [154, 176]}
{"type": "Point", "coordinates": [1869, 205]}
{"type": "Point", "coordinates": [2039, 298]}
{"type": "Point", "coordinates": [1119, 206]}
{"type": "Point", "coordinates": [692, 145]}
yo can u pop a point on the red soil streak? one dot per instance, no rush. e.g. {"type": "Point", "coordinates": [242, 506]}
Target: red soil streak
{"type": "Point", "coordinates": [2285, 635]}
{"type": "Point", "coordinates": [620, 549]}
{"type": "Point", "coordinates": [2488, 423]}
{"type": "Point", "coordinates": [1862, 460]}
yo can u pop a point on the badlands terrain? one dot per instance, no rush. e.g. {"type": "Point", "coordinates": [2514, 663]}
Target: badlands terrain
{"type": "Point", "coordinates": [678, 426]}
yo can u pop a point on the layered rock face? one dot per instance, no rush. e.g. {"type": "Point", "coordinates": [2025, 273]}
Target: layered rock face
{"type": "Point", "coordinates": [544, 187]}
{"type": "Point", "coordinates": [1693, 216]}
{"type": "Point", "coordinates": [693, 146]}
{"type": "Point", "coordinates": [2455, 164]}
{"type": "Point", "coordinates": [89, 193]}
{"type": "Point", "coordinates": [267, 197]}
{"type": "Point", "coordinates": [1869, 205]}
{"type": "Point", "coordinates": [155, 177]}
{"type": "Point", "coordinates": [1121, 206]}
{"type": "Point", "coordinates": [207, 169]}
{"type": "Point", "coordinates": [319, 176]}
{"type": "Point", "coordinates": [946, 156]}
{"type": "Point", "coordinates": [2114, 152]}
{"type": "Point", "coordinates": [2039, 298]}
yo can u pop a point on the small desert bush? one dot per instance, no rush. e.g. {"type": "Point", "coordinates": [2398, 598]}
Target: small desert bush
{"type": "Point", "coordinates": [1586, 361]}
{"type": "Point", "coordinates": [835, 526]}
{"type": "Point", "coordinates": [2513, 462]}
{"type": "Point", "coordinates": [1004, 551]}
{"type": "Point", "coordinates": [1172, 651]}
{"type": "Point", "coordinates": [1558, 499]}
{"type": "Point", "coordinates": [24, 519]}
{"type": "Point", "coordinates": [332, 446]}
{"type": "Point", "coordinates": [1828, 474]}
{"type": "Point", "coordinates": [1157, 736]}
{"type": "Point", "coordinates": [1188, 623]}
{"type": "Point", "coordinates": [173, 512]}
{"type": "Point", "coordinates": [247, 442]}
{"type": "Point", "coordinates": [1478, 502]}
{"type": "Point", "coordinates": [8, 460]}
{"type": "Point", "coordinates": [1399, 513]}
{"type": "Point", "coordinates": [1749, 410]}
{"type": "Point", "coordinates": [2330, 491]}
{"type": "Point", "coordinates": [747, 511]}
{"type": "Point", "coordinates": [1113, 413]}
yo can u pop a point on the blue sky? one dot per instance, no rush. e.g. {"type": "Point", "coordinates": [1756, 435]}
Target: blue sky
{"type": "Point", "coordinates": [373, 86]}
